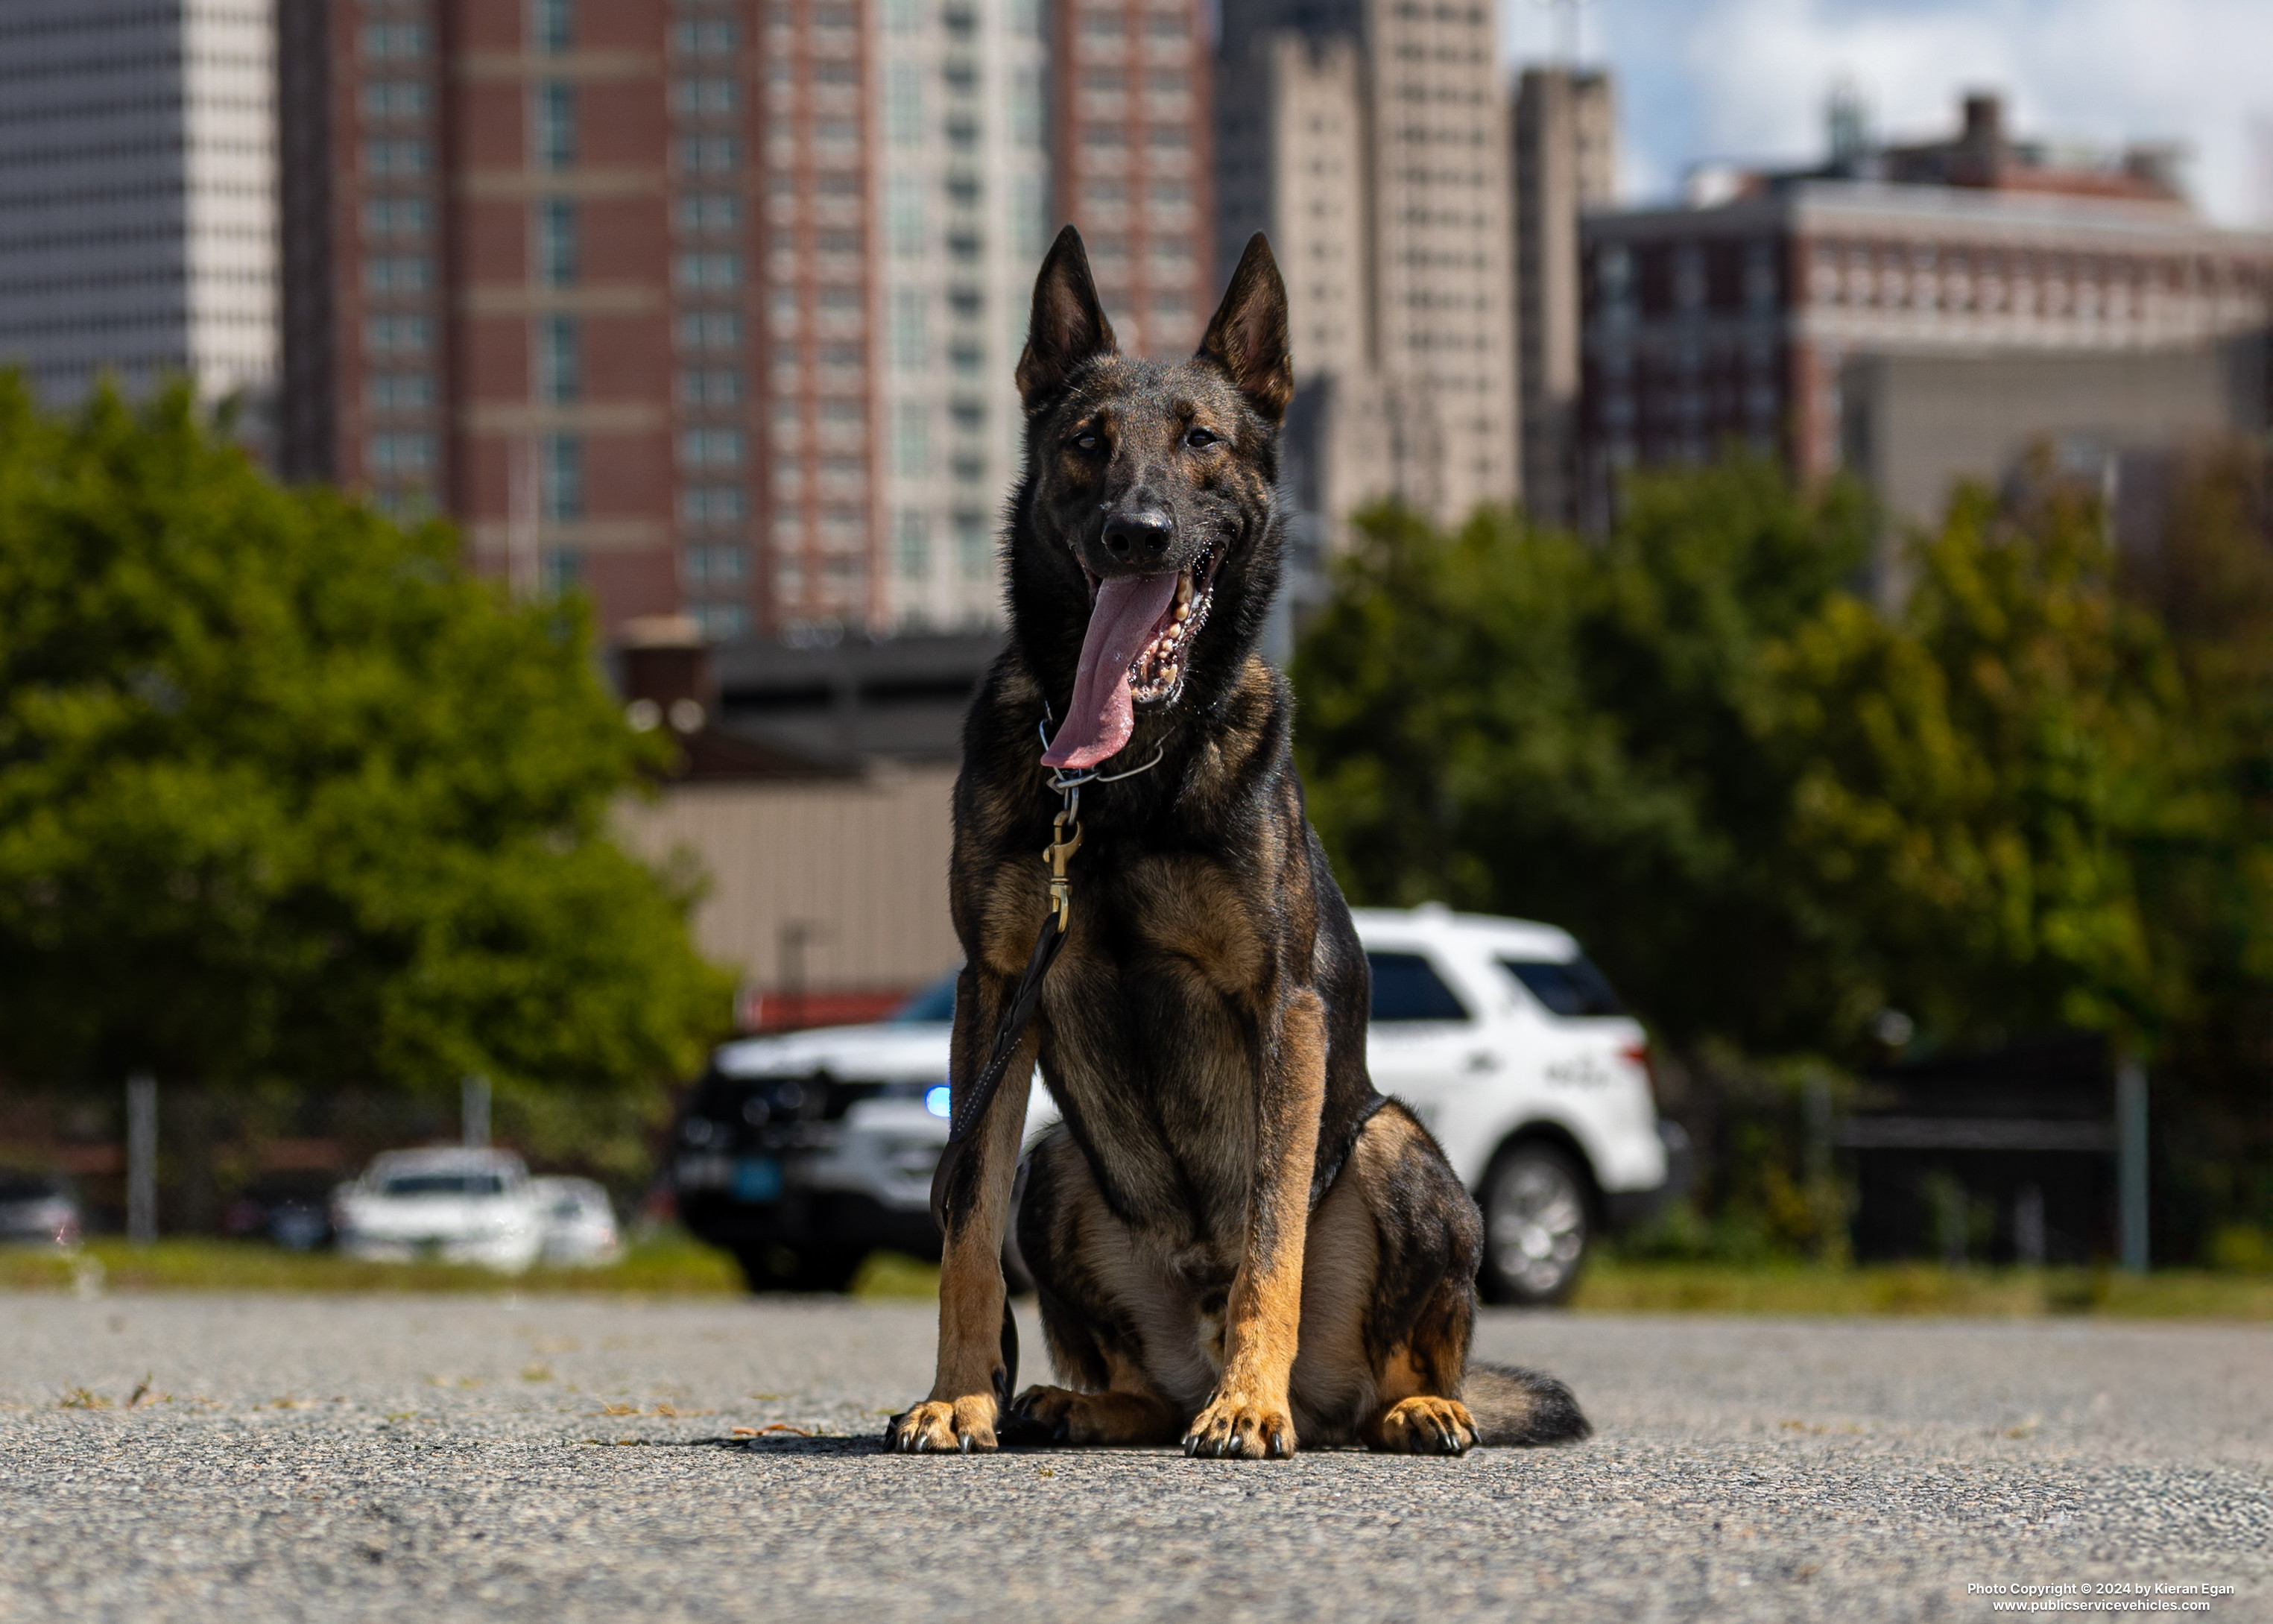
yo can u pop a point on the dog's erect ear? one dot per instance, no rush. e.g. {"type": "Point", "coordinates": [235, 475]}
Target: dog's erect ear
{"type": "Point", "coordinates": [1069, 326]}
{"type": "Point", "coordinates": [1247, 338]}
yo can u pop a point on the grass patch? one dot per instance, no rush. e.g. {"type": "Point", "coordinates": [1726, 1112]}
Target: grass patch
{"type": "Point", "coordinates": [1611, 1286]}
{"type": "Point", "coordinates": [893, 1274]}
{"type": "Point", "coordinates": [675, 1265]}
{"type": "Point", "coordinates": [669, 1265]}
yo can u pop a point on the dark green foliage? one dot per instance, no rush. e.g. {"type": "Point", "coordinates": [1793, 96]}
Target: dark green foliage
{"type": "Point", "coordinates": [284, 794]}
{"type": "Point", "coordinates": [2038, 796]}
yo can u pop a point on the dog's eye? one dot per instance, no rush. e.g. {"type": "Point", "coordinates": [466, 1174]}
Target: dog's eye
{"type": "Point", "coordinates": [1199, 439]}
{"type": "Point", "coordinates": [1087, 440]}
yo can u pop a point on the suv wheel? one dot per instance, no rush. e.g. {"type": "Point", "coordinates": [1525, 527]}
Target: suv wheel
{"type": "Point", "coordinates": [1536, 1226]}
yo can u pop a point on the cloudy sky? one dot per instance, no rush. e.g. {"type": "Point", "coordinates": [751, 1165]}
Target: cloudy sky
{"type": "Point", "coordinates": [1747, 79]}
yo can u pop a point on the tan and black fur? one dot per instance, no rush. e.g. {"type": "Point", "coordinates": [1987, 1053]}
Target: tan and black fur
{"type": "Point", "coordinates": [1237, 1243]}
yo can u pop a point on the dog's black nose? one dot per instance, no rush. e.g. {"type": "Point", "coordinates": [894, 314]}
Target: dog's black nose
{"type": "Point", "coordinates": [1144, 534]}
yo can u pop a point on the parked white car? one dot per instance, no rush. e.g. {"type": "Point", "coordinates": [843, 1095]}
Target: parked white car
{"type": "Point", "coordinates": [456, 1205]}
{"type": "Point", "coordinates": [580, 1224]}
{"type": "Point", "coordinates": [800, 1153]}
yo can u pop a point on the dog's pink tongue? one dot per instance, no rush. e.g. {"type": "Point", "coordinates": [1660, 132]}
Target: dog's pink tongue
{"type": "Point", "coordinates": [1103, 713]}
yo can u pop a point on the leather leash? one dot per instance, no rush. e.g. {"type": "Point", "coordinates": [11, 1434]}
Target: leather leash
{"type": "Point", "coordinates": [968, 1106]}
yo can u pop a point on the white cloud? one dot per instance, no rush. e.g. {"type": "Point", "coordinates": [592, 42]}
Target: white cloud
{"type": "Point", "coordinates": [1748, 78]}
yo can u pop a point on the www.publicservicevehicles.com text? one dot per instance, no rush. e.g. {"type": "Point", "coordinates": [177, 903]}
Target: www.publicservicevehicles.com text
{"type": "Point", "coordinates": [2090, 1596]}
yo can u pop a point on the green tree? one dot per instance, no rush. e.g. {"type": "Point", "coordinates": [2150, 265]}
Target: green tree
{"type": "Point", "coordinates": [285, 794]}
{"type": "Point", "coordinates": [1519, 722]}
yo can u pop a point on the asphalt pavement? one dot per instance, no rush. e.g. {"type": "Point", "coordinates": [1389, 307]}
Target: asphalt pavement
{"type": "Point", "coordinates": [442, 1458]}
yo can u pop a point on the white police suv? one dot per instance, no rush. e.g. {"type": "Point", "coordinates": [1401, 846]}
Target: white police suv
{"type": "Point", "coordinates": [801, 1153]}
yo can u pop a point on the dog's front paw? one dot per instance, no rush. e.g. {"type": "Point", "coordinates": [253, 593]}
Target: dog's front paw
{"type": "Point", "coordinates": [1424, 1425]}
{"type": "Point", "coordinates": [1235, 1427]}
{"type": "Point", "coordinates": [940, 1426]}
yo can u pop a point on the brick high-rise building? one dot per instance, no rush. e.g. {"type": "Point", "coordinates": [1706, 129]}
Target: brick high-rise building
{"type": "Point", "coordinates": [138, 213]}
{"type": "Point", "coordinates": [710, 307]}
{"type": "Point", "coordinates": [493, 263]}
{"type": "Point", "coordinates": [1132, 137]}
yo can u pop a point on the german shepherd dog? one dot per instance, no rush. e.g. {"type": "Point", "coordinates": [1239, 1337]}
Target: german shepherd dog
{"type": "Point", "coordinates": [1236, 1242]}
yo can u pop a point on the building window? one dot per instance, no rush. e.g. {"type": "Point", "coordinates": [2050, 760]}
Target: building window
{"type": "Point", "coordinates": [697, 97]}
{"type": "Point", "coordinates": [394, 42]}
{"type": "Point", "coordinates": [399, 274]}
{"type": "Point", "coordinates": [555, 126]}
{"type": "Point", "coordinates": [710, 329]}
{"type": "Point", "coordinates": [559, 365]}
{"type": "Point", "coordinates": [711, 504]}
{"type": "Point", "coordinates": [714, 564]}
{"type": "Point", "coordinates": [903, 104]}
{"type": "Point", "coordinates": [722, 622]}
{"type": "Point", "coordinates": [704, 39]}
{"type": "Point", "coordinates": [553, 25]}
{"type": "Point", "coordinates": [394, 160]}
{"type": "Point", "coordinates": [401, 456]}
{"type": "Point", "coordinates": [974, 551]}
{"type": "Point", "coordinates": [911, 441]}
{"type": "Point", "coordinates": [557, 243]}
{"type": "Point", "coordinates": [710, 447]}
{"type": "Point", "coordinates": [560, 477]}
{"type": "Point", "coordinates": [903, 215]}
{"type": "Point", "coordinates": [400, 391]}
{"type": "Point", "coordinates": [911, 542]}
{"type": "Point", "coordinates": [710, 154]}
{"type": "Point", "coordinates": [709, 210]}
{"type": "Point", "coordinates": [397, 335]}
{"type": "Point", "coordinates": [710, 270]}
{"type": "Point", "coordinates": [711, 386]}
{"type": "Point", "coordinates": [395, 99]}
{"type": "Point", "coordinates": [394, 217]}
{"type": "Point", "coordinates": [562, 569]}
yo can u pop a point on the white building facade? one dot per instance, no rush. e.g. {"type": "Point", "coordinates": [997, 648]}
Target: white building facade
{"type": "Point", "coordinates": [961, 198]}
{"type": "Point", "coordinates": [138, 195]}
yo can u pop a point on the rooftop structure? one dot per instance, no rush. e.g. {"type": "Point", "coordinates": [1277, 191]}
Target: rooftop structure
{"type": "Point", "coordinates": [1739, 322]}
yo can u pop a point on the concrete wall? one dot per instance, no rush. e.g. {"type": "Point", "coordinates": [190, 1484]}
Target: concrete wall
{"type": "Point", "coordinates": [861, 866]}
{"type": "Point", "coordinates": [1913, 426]}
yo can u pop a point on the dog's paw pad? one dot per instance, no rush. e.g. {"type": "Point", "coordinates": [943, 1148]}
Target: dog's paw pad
{"type": "Point", "coordinates": [936, 1426]}
{"type": "Point", "coordinates": [1424, 1425]}
{"type": "Point", "coordinates": [1234, 1427]}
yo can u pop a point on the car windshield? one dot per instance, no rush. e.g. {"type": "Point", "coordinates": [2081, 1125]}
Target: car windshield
{"type": "Point", "coordinates": [444, 1184]}
{"type": "Point", "coordinates": [28, 1187]}
{"type": "Point", "coordinates": [935, 1006]}
{"type": "Point", "coordinates": [1570, 987]}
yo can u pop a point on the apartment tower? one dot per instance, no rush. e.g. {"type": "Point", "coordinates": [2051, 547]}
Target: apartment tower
{"type": "Point", "coordinates": [1132, 125]}
{"type": "Point", "coordinates": [1369, 138]}
{"type": "Point", "coordinates": [710, 307]}
{"type": "Point", "coordinates": [965, 179]}
{"type": "Point", "coordinates": [1565, 163]}
{"type": "Point", "coordinates": [138, 215]}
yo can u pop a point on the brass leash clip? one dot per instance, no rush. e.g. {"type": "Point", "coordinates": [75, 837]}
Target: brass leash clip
{"type": "Point", "coordinates": [1055, 854]}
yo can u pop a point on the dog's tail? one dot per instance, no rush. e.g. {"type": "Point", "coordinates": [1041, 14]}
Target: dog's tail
{"type": "Point", "coordinates": [1520, 1409]}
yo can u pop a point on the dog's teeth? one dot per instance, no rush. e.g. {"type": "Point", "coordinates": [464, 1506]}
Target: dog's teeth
{"type": "Point", "coordinates": [1184, 612]}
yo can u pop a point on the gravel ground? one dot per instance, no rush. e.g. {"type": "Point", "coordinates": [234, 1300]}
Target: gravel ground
{"type": "Point", "coordinates": [444, 1459]}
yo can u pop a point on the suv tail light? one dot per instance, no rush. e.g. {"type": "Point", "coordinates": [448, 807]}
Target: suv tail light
{"type": "Point", "coordinates": [1638, 1053]}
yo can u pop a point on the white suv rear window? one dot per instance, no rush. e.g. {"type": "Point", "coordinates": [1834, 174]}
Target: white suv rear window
{"type": "Point", "coordinates": [1570, 987]}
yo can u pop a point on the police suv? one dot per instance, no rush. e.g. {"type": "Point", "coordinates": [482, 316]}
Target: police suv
{"type": "Point", "coordinates": [803, 1152]}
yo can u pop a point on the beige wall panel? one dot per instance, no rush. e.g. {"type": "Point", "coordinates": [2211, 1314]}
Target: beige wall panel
{"type": "Point", "coordinates": [862, 866]}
